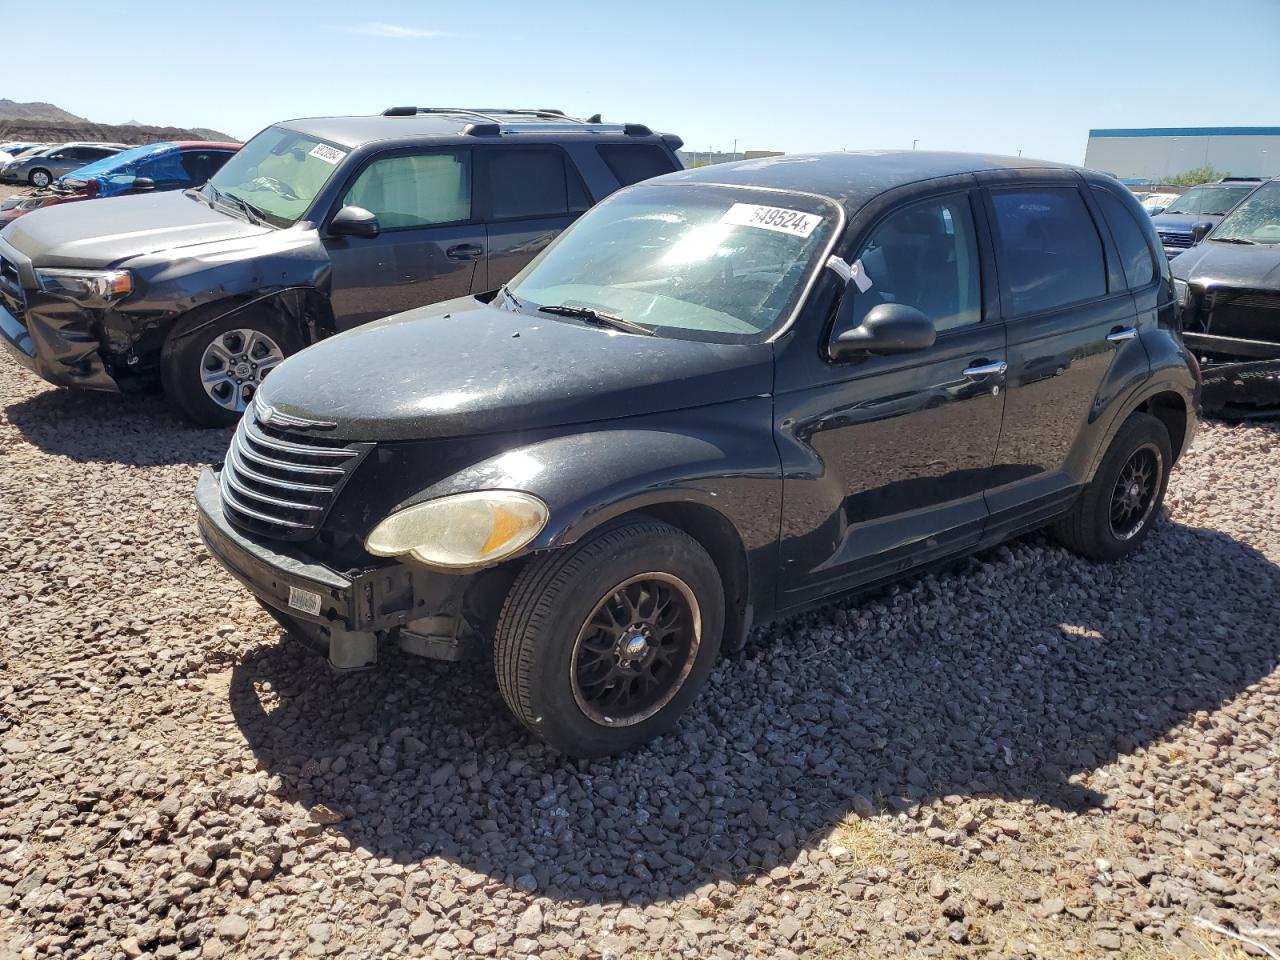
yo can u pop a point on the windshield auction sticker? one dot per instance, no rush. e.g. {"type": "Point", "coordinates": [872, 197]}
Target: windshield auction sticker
{"type": "Point", "coordinates": [322, 151]}
{"type": "Point", "coordinates": [778, 219]}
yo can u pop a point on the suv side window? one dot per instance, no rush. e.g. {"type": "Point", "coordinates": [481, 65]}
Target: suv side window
{"type": "Point", "coordinates": [1131, 241]}
{"type": "Point", "coordinates": [526, 183]}
{"type": "Point", "coordinates": [926, 256]}
{"type": "Point", "coordinates": [1050, 251]}
{"type": "Point", "coordinates": [633, 162]}
{"type": "Point", "coordinates": [415, 190]}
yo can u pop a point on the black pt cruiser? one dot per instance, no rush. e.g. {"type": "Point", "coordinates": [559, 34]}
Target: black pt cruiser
{"type": "Point", "coordinates": [723, 395]}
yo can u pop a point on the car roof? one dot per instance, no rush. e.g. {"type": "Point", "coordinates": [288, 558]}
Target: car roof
{"type": "Point", "coordinates": [352, 132]}
{"type": "Point", "coordinates": [204, 144]}
{"type": "Point", "coordinates": [853, 177]}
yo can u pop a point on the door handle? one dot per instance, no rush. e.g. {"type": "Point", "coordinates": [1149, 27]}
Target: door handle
{"type": "Point", "coordinates": [465, 251]}
{"type": "Point", "coordinates": [982, 369]}
{"type": "Point", "coordinates": [1122, 334]}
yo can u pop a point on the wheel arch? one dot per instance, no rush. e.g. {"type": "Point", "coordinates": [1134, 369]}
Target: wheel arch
{"type": "Point", "coordinates": [1169, 408]}
{"type": "Point", "coordinates": [303, 307]}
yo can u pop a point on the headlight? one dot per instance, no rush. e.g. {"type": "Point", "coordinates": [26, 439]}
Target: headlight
{"type": "Point", "coordinates": [464, 530]}
{"type": "Point", "coordinates": [93, 288]}
{"type": "Point", "coordinates": [1181, 291]}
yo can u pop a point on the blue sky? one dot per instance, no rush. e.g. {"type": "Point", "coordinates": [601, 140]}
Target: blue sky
{"type": "Point", "coordinates": [992, 76]}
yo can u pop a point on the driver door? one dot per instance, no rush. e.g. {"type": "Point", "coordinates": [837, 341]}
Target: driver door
{"type": "Point", "coordinates": [428, 247]}
{"type": "Point", "coordinates": [897, 448]}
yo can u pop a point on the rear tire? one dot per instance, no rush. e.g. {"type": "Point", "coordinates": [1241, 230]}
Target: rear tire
{"type": "Point", "coordinates": [39, 177]}
{"type": "Point", "coordinates": [212, 372]}
{"type": "Point", "coordinates": [1118, 507]}
{"type": "Point", "coordinates": [602, 646]}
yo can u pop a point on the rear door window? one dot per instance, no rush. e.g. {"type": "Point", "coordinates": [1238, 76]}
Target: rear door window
{"type": "Point", "coordinates": [1131, 241]}
{"type": "Point", "coordinates": [1050, 251]}
{"type": "Point", "coordinates": [633, 162]}
{"type": "Point", "coordinates": [530, 183]}
{"type": "Point", "coordinates": [415, 190]}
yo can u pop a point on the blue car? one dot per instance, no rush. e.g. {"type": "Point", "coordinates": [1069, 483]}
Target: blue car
{"type": "Point", "coordinates": [1207, 203]}
{"type": "Point", "coordinates": [156, 166]}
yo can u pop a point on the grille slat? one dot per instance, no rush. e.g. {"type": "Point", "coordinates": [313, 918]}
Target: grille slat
{"type": "Point", "coordinates": [282, 483]}
{"type": "Point", "coordinates": [1171, 239]}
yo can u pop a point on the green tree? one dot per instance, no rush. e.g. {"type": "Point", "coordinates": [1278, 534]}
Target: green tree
{"type": "Point", "coordinates": [1205, 174]}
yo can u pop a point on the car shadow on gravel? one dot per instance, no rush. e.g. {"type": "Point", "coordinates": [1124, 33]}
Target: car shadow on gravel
{"type": "Point", "coordinates": [136, 428]}
{"type": "Point", "coordinates": [1013, 675]}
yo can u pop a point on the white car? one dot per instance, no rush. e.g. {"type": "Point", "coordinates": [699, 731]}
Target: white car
{"type": "Point", "coordinates": [1154, 203]}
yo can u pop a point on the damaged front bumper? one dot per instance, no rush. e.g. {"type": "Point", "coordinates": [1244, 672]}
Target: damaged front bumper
{"type": "Point", "coordinates": [1235, 334]}
{"type": "Point", "coordinates": [52, 338]}
{"type": "Point", "coordinates": [350, 612]}
{"type": "Point", "coordinates": [1242, 391]}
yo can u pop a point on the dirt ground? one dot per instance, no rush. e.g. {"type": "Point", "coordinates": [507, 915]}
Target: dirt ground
{"type": "Point", "coordinates": [1025, 755]}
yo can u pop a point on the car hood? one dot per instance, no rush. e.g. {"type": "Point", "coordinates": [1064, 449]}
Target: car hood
{"type": "Point", "coordinates": [464, 368]}
{"type": "Point", "coordinates": [112, 231]}
{"type": "Point", "coordinates": [1181, 222]}
{"type": "Point", "coordinates": [1229, 264]}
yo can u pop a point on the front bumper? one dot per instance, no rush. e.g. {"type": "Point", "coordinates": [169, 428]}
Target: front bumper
{"type": "Point", "coordinates": [350, 610]}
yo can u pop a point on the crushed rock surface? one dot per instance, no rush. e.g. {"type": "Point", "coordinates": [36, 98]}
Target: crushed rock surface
{"type": "Point", "coordinates": [1024, 755]}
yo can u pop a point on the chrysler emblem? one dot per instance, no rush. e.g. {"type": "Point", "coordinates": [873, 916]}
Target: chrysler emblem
{"type": "Point", "coordinates": [269, 416]}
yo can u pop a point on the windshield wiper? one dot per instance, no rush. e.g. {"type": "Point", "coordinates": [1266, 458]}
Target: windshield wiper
{"type": "Point", "coordinates": [1232, 240]}
{"type": "Point", "coordinates": [506, 292]}
{"type": "Point", "coordinates": [255, 214]}
{"type": "Point", "coordinates": [597, 317]}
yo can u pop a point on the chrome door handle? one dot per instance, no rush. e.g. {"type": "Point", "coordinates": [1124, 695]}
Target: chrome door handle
{"type": "Point", "coordinates": [1120, 336]}
{"type": "Point", "coordinates": [986, 370]}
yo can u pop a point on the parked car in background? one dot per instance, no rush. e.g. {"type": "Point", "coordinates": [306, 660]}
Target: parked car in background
{"type": "Point", "coordinates": [1207, 203]}
{"type": "Point", "coordinates": [43, 167]}
{"type": "Point", "coordinates": [12, 148]}
{"type": "Point", "coordinates": [155, 167]}
{"type": "Point", "coordinates": [315, 226]}
{"type": "Point", "coordinates": [723, 395]}
{"type": "Point", "coordinates": [1155, 203]}
{"type": "Point", "coordinates": [1229, 285]}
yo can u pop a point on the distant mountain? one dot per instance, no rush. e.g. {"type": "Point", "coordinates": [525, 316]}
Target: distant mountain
{"type": "Point", "coordinates": [45, 123]}
{"type": "Point", "coordinates": [12, 110]}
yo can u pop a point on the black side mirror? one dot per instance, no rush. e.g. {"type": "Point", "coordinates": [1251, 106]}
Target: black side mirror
{"type": "Point", "coordinates": [1199, 231]}
{"type": "Point", "coordinates": [143, 184]}
{"type": "Point", "coordinates": [887, 328]}
{"type": "Point", "coordinates": [1155, 211]}
{"type": "Point", "coordinates": [353, 222]}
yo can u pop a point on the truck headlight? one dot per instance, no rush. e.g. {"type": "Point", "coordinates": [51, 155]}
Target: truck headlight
{"type": "Point", "coordinates": [93, 288]}
{"type": "Point", "coordinates": [463, 530]}
{"type": "Point", "coordinates": [1181, 291]}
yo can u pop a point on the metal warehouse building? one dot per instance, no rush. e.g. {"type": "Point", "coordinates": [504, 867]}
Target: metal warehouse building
{"type": "Point", "coordinates": [1156, 153]}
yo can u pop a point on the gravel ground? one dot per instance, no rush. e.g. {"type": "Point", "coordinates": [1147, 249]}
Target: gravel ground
{"type": "Point", "coordinates": [1026, 755]}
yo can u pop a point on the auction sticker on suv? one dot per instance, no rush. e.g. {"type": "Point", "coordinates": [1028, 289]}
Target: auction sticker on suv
{"type": "Point", "coordinates": [779, 219]}
{"type": "Point", "coordinates": [322, 151]}
{"type": "Point", "coordinates": [304, 600]}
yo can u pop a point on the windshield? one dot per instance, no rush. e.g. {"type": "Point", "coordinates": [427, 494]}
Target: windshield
{"type": "Point", "coordinates": [1256, 219]}
{"type": "Point", "coordinates": [279, 172]}
{"type": "Point", "coordinates": [123, 163]}
{"type": "Point", "coordinates": [1208, 201]}
{"type": "Point", "coordinates": [695, 262]}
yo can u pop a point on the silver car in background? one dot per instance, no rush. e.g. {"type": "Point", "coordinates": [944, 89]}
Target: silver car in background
{"type": "Point", "coordinates": [42, 168]}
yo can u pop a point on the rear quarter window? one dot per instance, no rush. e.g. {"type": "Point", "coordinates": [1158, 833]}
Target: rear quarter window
{"type": "Point", "coordinates": [1131, 240]}
{"type": "Point", "coordinates": [633, 162]}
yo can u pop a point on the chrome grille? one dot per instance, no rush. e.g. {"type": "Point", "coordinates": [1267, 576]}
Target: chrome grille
{"type": "Point", "coordinates": [282, 483]}
{"type": "Point", "coordinates": [1171, 239]}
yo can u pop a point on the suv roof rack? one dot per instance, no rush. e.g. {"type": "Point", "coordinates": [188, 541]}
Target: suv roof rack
{"type": "Point", "coordinates": [491, 119]}
{"type": "Point", "coordinates": [1241, 180]}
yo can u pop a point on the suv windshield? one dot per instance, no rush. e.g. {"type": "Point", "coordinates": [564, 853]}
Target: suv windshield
{"type": "Point", "coordinates": [695, 262]}
{"type": "Point", "coordinates": [1256, 219]}
{"type": "Point", "coordinates": [1208, 201]}
{"type": "Point", "coordinates": [278, 172]}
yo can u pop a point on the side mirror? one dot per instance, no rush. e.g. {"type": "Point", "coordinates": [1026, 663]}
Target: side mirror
{"type": "Point", "coordinates": [143, 184]}
{"type": "Point", "coordinates": [1155, 211]}
{"type": "Point", "coordinates": [353, 222]}
{"type": "Point", "coordinates": [1199, 231]}
{"type": "Point", "coordinates": [888, 328]}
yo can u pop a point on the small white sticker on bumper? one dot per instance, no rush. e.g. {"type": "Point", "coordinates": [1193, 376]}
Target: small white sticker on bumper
{"type": "Point", "coordinates": [304, 600]}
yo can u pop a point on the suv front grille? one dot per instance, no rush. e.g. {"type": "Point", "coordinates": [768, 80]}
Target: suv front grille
{"type": "Point", "coordinates": [281, 484]}
{"type": "Point", "coordinates": [1246, 314]}
{"type": "Point", "coordinates": [1172, 239]}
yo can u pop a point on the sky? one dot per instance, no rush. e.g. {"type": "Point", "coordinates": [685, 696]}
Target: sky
{"type": "Point", "coordinates": [986, 75]}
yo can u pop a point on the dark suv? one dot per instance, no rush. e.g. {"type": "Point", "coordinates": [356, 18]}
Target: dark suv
{"type": "Point", "coordinates": [721, 396]}
{"type": "Point", "coordinates": [315, 226]}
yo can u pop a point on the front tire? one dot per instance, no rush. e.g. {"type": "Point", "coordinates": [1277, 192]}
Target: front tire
{"type": "Point", "coordinates": [1119, 506]}
{"type": "Point", "coordinates": [212, 372]}
{"type": "Point", "coordinates": [40, 178]}
{"type": "Point", "coordinates": [602, 646]}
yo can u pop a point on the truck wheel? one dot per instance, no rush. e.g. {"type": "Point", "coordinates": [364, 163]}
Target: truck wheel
{"type": "Point", "coordinates": [1118, 507]}
{"type": "Point", "coordinates": [212, 372]}
{"type": "Point", "coordinates": [40, 177]}
{"type": "Point", "coordinates": [600, 647]}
